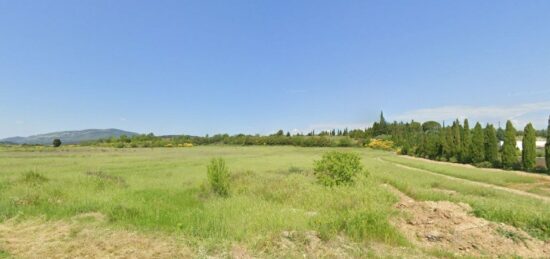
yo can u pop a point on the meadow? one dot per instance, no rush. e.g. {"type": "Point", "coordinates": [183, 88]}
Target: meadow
{"type": "Point", "coordinates": [275, 208]}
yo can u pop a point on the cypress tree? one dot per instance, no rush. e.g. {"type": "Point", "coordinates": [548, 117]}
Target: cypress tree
{"type": "Point", "coordinates": [529, 150]}
{"type": "Point", "coordinates": [509, 158]}
{"type": "Point", "coordinates": [457, 141]}
{"type": "Point", "coordinates": [444, 144]}
{"type": "Point", "coordinates": [466, 143]}
{"type": "Point", "coordinates": [491, 144]}
{"type": "Point", "coordinates": [547, 146]}
{"type": "Point", "coordinates": [449, 138]}
{"type": "Point", "coordinates": [478, 144]}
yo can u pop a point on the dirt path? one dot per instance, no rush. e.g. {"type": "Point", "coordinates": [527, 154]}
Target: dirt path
{"type": "Point", "coordinates": [533, 175]}
{"type": "Point", "coordinates": [528, 194]}
{"type": "Point", "coordinates": [450, 227]}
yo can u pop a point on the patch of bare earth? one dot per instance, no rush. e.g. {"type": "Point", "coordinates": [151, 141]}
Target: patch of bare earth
{"type": "Point", "coordinates": [450, 227]}
{"type": "Point", "coordinates": [74, 239]}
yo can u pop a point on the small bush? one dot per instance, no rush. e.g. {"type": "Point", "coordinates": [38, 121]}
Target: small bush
{"type": "Point", "coordinates": [56, 142]}
{"type": "Point", "coordinates": [484, 164]}
{"type": "Point", "coordinates": [218, 176]}
{"type": "Point", "coordinates": [336, 168]}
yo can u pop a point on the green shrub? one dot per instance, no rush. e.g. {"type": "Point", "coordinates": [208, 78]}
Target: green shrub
{"type": "Point", "coordinates": [218, 176]}
{"type": "Point", "coordinates": [56, 142]}
{"type": "Point", "coordinates": [336, 168]}
{"type": "Point", "coordinates": [484, 164]}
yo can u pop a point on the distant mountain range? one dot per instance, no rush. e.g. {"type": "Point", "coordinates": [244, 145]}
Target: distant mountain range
{"type": "Point", "coordinates": [69, 137]}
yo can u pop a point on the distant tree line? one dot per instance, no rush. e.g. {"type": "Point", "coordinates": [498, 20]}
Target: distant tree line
{"type": "Point", "coordinates": [458, 142]}
{"type": "Point", "coordinates": [309, 140]}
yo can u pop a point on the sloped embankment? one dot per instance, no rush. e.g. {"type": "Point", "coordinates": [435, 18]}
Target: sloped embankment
{"type": "Point", "coordinates": [451, 227]}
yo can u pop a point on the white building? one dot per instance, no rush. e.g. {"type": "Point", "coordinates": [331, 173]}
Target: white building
{"type": "Point", "coordinates": [519, 144]}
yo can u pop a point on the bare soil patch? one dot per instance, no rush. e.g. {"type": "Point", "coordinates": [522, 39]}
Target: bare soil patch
{"type": "Point", "coordinates": [450, 227]}
{"type": "Point", "coordinates": [71, 239]}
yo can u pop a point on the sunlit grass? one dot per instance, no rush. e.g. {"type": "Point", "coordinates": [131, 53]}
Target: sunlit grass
{"type": "Point", "coordinates": [273, 190]}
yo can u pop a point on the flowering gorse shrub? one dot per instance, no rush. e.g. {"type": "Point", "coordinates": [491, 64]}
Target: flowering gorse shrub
{"type": "Point", "coordinates": [381, 144]}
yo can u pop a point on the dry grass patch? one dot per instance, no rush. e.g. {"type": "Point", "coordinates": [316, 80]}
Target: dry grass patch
{"type": "Point", "coordinates": [82, 237]}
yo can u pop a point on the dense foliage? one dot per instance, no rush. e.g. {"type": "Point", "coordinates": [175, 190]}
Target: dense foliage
{"type": "Point", "coordinates": [529, 152]}
{"type": "Point", "coordinates": [478, 149]}
{"type": "Point", "coordinates": [509, 156]}
{"type": "Point", "coordinates": [337, 168]}
{"type": "Point", "coordinates": [56, 142]}
{"type": "Point", "coordinates": [323, 139]}
{"type": "Point", "coordinates": [491, 145]}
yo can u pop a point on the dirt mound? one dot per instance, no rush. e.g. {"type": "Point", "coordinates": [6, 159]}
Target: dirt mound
{"type": "Point", "coordinates": [61, 239]}
{"type": "Point", "coordinates": [451, 227]}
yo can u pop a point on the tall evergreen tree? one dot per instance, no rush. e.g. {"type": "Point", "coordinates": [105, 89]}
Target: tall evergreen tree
{"type": "Point", "coordinates": [381, 127]}
{"type": "Point", "coordinates": [466, 143]}
{"type": "Point", "coordinates": [509, 158]}
{"type": "Point", "coordinates": [547, 146]}
{"type": "Point", "coordinates": [491, 144]}
{"type": "Point", "coordinates": [444, 144]}
{"type": "Point", "coordinates": [478, 144]}
{"type": "Point", "coordinates": [500, 134]}
{"type": "Point", "coordinates": [529, 148]}
{"type": "Point", "coordinates": [457, 140]}
{"type": "Point", "coordinates": [382, 119]}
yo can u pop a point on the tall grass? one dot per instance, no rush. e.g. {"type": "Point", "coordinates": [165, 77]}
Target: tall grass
{"type": "Point", "coordinates": [160, 190]}
{"type": "Point", "coordinates": [273, 191]}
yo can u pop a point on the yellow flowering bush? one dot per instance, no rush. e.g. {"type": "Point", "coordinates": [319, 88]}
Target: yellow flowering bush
{"type": "Point", "coordinates": [381, 144]}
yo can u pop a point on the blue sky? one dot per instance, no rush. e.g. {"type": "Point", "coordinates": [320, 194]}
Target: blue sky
{"type": "Point", "coordinates": [199, 67]}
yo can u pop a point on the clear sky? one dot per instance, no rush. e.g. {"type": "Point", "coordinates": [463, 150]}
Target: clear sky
{"type": "Point", "coordinates": [199, 67]}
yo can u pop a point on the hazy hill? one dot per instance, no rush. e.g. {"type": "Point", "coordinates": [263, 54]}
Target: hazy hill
{"type": "Point", "coordinates": [69, 137]}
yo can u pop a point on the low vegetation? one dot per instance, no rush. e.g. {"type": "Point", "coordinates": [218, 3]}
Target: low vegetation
{"type": "Point", "coordinates": [338, 168]}
{"type": "Point", "coordinates": [218, 177]}
{"type": "Point", "coordinates": [276, 206]}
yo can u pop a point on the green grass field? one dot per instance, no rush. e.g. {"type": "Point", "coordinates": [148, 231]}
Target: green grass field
{"type": "Point", "coordinates": [161, 191]}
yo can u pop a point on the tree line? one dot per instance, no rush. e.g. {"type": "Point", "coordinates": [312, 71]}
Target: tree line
{"type": "Point", "coordinates": [458, 142]}
{"type": "Point", "coordinates": [479, 145]}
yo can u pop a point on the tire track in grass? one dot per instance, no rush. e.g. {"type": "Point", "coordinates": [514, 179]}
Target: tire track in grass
{"type": "Point", "coordinates": [532, 195]}
{"type": "Point", "coordinates": [537, 176]}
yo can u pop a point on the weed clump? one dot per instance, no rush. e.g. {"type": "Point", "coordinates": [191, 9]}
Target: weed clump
{"type": "Point", "coordinates": [105, 179]}
{"type": "Point", "coordinates": [337, 168]}
{"type": "Point", "coordinates": [218, 177]}
{"type": "Point", "coordinates": [33, 178]}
